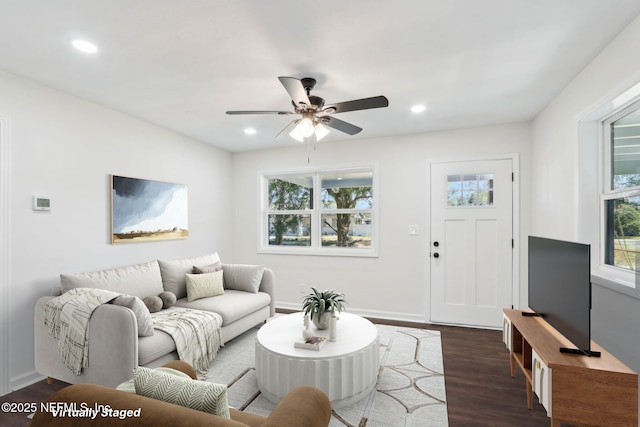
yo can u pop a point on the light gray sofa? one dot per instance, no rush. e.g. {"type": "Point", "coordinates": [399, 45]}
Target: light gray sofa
{"type": "Point", "coordinates": [114, 345]}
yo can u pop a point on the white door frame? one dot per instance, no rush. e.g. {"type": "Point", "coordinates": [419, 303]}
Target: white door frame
{"type": "Point", "coordinates": [515, 271]}
{"type": "Point", "coordinates": [5, 213]}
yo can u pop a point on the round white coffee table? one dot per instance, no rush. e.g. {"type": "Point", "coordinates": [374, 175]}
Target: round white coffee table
{"type": "Point", "coordinates": [345, 369]}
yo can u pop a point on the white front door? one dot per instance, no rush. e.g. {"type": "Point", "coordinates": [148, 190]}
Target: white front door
{"type": "Point", "coordinates": [471, 241]}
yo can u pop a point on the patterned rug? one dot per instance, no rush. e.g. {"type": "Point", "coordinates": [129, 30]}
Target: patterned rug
{"type": "Point", "coordinates": [410, 389]}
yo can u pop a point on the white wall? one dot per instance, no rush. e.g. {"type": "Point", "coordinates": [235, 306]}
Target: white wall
{"type": "Point", "coordinates": [394, 285]}
{"type": "Point", "coordinates": [66, 148]}
{"type": "Point", "coordinates": [557, 210]}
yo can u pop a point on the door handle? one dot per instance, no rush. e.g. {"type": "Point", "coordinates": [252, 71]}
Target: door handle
{"type": "Point", "coordinates": [436, 255]}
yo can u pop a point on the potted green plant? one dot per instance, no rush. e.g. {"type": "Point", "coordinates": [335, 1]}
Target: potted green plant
{"type": "Point", "coordinates": [320, 306]}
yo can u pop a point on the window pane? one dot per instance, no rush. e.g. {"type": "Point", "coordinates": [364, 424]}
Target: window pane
{"type": "Point", "coordinates": [289, 230]}
{"type": "Point", "coordinates": [470, 190]}
{"type": "Point", "coordinates": [623, 232]}
{"type": "Point", "coordinates": [347, 230]}
{"type": "Point", "coordinates": [625, 155]}
{"type": "Point", "coordinates": [351, 190]}
{"type": "Point", "coordinates": [290, 193]}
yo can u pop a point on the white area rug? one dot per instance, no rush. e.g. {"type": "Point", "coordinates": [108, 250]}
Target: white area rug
{"type": "Point", "coordinates": [410, 389]}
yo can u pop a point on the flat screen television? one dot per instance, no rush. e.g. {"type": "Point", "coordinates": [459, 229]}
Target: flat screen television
{"type": "Point", "coordinates": [560, 289]}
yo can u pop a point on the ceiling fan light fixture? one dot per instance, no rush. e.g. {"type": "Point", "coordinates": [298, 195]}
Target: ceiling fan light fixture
{"type": "Point", "coordinates": [321, 131]}
{"type": "Point", "coordinates": [304, 129]}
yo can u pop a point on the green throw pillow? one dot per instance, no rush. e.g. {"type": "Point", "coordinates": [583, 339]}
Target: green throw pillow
{"type": "Point", "coordinates": [199, 395]}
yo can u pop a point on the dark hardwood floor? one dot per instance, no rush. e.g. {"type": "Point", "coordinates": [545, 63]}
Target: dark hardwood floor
{"type": "Point", "coordinates": [480, 390]}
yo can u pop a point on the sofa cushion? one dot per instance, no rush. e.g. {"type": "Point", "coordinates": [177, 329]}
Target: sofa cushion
{"type": "Point", "coordinates": [154, 347]}
{"type": "Point", "coordinates": [204, 285]}
{"type": "Point", "coordinates": [243, 277]}
{"type": "Point", "coordinates": [231, 306]}
{"type": "Point", "coordinates": [199, 395]}
{"type": "Point", "coordinates": [173, 272]}
{"type": "Point", "coordinates": [139, 280]}
{"type": "Point", "coordinates": [143, 316]}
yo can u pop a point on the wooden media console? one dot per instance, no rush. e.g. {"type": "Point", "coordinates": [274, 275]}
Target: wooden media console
{"type": "Point", "coordinates": [573, 389]}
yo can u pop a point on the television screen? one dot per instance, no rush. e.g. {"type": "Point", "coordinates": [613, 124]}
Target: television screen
{"type": "Point", "coordinates": [560, 287]}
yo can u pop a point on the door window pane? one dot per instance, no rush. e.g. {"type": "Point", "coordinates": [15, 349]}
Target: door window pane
{"type": "Point", "coordinates": [470, 190]}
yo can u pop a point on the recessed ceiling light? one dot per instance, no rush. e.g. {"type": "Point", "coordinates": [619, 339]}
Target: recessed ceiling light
{"type": "Point", "coordinates": [84, 46]}
{"type": "Point", "coordinates": [418, 108]}
{"type": "Point", "coordinates": [250, 131]}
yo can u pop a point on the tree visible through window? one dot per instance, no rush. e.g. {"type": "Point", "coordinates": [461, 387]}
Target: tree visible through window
{"type": "Point", "coordinates": [323, 209]}
{"type": "Point", "coordinates": [346, 203]}
{"type": "Point", "coordinates": [288, 199]}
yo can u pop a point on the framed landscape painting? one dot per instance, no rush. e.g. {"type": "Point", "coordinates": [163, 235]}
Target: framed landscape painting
{"type": "Point", "coordinates": [147, 211]}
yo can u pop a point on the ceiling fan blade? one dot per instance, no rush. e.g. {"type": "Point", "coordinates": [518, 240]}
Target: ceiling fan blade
{"type": "Point", "coordinates": [259, 112]}
{"type": "Point", "coordinates": [295, 89]}
{"type": "Point", "coordinates": [358, 104]}
{"type": "Point", "coordinates": [288, 128]}
{"type": "Point", "coordinates": [340, 125]}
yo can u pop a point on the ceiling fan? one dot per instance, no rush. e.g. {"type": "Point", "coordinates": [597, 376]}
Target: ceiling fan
{"type": "Point", "coordinates": [315, 115]}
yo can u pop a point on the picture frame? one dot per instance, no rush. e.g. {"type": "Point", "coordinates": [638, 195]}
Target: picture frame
{"type": "Point", "coordinates": [144, 210]}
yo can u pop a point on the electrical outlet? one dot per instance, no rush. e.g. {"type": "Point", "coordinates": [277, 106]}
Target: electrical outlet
{"type": "Point", "coordinates": [302, 288]}
{"type": "Point", "coordinates": [414, 230]}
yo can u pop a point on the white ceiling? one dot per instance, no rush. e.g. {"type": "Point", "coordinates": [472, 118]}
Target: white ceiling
{"type": "Point", "coordinates": [182, 63]}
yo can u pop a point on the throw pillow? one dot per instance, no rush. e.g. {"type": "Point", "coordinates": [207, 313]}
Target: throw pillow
{"type": "Point", "coordinates": [173, 272]}
{"type": "Point", "coordinates": [243, 277]}
{"type": "Point", "coordinates": [153, 303]}
{"type": "Point", "coordinates": [207, 268]}
{"type": "Point", "coordinates": [129, 387]}
{"type": "Point", "coordinates": [204, 285]}
{"type": "Point", "coordinates": [199, 395]}
{"type": "Point", "coordinates": [168, 299]}
{"type": "Point", "coordinates": [143, 317]}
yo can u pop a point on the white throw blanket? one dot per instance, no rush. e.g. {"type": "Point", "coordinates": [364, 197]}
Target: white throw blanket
{"type": "Point", "coordinates": [197, 334]}
{"type": "Point", "coordinates": [67, 317]}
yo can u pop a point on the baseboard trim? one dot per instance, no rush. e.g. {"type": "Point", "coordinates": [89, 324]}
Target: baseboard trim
{"type": "Point", "coordinates": [382, 317]}
{"type": "Point", "coordinates": [26, 380]}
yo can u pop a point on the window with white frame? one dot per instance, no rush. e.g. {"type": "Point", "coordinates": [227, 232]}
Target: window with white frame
{"type": "Point", "coordinates": [621, 189]}
{"type": "Point", "coordinates": [331, 212]}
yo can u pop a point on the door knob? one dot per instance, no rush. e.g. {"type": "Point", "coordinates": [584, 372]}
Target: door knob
{"type": "Point", "coordinates": [436, 244]}
{"type": "Point", "coordinates": [436, 254]}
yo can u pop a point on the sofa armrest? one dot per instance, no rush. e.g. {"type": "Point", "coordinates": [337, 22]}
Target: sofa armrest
{"type": "Point", "coordinates": [268, 285]}
{"type": "Point", "coordinates": [304, 406]}
{"type": "Point", "coordinates": [182, 366]}
{"type": "Point", "coordinates": [113, 347]}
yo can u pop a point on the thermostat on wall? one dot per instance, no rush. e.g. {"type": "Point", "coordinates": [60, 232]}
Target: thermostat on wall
{"type": "Point", "coordinates": [41, 203]}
